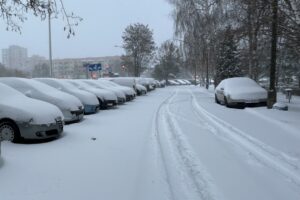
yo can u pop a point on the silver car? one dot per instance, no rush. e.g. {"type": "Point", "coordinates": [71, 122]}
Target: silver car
{"type": "Point", "coordinates": [70, 106]}
{"type": "Point", "coordinates": [23, 117]}
{"type": "Point", "coordinates": [240, 91]}
{"type": "Point", "coordinates": [89, 100]}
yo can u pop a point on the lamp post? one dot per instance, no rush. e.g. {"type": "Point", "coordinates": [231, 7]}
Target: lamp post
{"type": "Point", "coordinates": [50, 38]}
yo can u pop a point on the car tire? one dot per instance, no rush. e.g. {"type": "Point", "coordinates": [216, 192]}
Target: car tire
{"type": "Point", "coordinates": [9, 131]}
{"type": "Point", "coordinates": [226, 102]}
{"type": "Point", "coordinates": [216, 100]}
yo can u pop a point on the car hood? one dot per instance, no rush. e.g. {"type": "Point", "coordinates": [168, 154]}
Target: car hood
{"type": "Point", "coordinates": [30, 110]}
{"type": "Point", "coordinates": [118, 92]}
{"type": "Point", "coordinates": [85, 97]}
{"type": "Point", "coordinates": [62, 100]}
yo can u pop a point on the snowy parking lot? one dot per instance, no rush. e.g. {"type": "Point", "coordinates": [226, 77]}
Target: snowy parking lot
{"type": "Point", "coordinates": [174, 143]}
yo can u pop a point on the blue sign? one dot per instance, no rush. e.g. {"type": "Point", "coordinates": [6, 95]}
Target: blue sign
{"type": "Point", "coordinates": [94, 67]}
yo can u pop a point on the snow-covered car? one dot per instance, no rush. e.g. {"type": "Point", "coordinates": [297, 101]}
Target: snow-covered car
{"type": "Point", "coordinates": [181, 82]}
{"type": "Point", "coordinates": [89, 100]}
{"type": "Point", "coordinates": [125, 81]}
{"type": "Point", "coordinates": [70, 106]}
{"type": "Point", "coordinates": [129, 92]}
{"type": "Point", "coordinates": [24, 117]}
{"type": "Point", "coordinates": [140, 89]}
{"type": "Point", "coordinates": [240, 91]}
{"type": "Point", "coordinates": [172, 82]}
{"type": "Point", "coordinates": [102, 85]}
{"type": "Point", "coordinates": [148, 83]}
{"type": "Point", "coordinates": [162, 83]}
{"type": "Point", "coordinates": [187, 82]}
{"type": "Point", "coordinates": [105, 97]}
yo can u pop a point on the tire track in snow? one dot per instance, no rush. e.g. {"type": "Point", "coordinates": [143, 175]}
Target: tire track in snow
{"type": "Point", "coordinates": [263, 153]}
{"type": "Point", "coordinates": [186, 177]}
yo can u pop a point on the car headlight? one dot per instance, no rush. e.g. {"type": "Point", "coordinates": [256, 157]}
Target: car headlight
{"type": "Point", "coordinates": [28, 123]}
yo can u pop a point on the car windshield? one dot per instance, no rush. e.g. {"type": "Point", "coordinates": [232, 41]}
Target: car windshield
{"type": "Point", "coordinates": [241, 82]}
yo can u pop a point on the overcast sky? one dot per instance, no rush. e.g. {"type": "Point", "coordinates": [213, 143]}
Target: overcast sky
{"type": "Point", "coordinates": [102, 27]}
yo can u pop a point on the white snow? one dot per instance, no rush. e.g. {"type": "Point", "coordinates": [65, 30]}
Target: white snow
{"type": "Point", "coordinates": [175, 143]}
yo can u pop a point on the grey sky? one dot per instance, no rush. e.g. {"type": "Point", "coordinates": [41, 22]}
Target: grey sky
{"type": "Point", "coordinates": [104, 22]}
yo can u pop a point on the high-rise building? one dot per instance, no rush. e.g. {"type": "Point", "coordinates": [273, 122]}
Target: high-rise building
{"type": "Point", "coordinates": [15, 57]}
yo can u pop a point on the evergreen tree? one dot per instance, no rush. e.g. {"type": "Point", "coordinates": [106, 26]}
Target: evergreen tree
{"type": "Point", "coordinates": [227, 59]}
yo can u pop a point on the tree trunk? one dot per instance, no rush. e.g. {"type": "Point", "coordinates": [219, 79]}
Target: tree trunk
{"type": "Point", "coordinates": [250, 36]}
{"type": "Point", "coordinates": [272, 95]}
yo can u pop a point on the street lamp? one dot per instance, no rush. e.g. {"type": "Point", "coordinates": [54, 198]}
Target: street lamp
{"type": "Point", "coordinates": [48, 7]}
{"type": "Point", "coordinates": [50, 38]}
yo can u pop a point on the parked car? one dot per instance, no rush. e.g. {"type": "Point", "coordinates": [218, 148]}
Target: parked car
{"type": "Point", "coordinates": [162, 83]}
{"type": "Point", "coordinates": [141, 90]}
{"type": "Point", "coordinates": [172, 82]}
{"type": "Point", "coordinates": [89, 100]}
{"type": "Point", "coordinates": [148, 83]}
{"type": "Point", "coordinates": [239, 92]}
{"type": "Point", "coordinates": [125, 81]}
{"type": "Point", "coordinates": [119, 93]}
{"type": "Point", "coordinates": [70, 106]}
{"type": "Point", "coordinates": [106, 98]}
{"type": "Point", "coordinates": [129, 92]}
{"type": "Point", "coordinates": [187, 82]}
{"type": "Point", "coordinates": [24, 117]}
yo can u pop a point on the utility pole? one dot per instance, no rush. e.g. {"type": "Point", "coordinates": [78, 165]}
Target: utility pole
{"type": "Point", "coordinates": [50, 39]}
{"type": "Point", "coordinates": [272, 95]}
{"type": "Point", "coordinates": [207, 67]}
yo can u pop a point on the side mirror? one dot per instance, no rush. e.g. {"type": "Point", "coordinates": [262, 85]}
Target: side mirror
{"type": "Point", "coordinates": [222, 89]}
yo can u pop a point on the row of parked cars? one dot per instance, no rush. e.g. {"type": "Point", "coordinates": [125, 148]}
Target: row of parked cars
{"type": "Point", "coordinates": [39, 108]}
{"type": "Point", "coordinates": [176, 82]}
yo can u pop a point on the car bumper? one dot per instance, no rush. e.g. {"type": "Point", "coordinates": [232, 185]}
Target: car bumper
{"type": "Point", "coordinates": [121, 100]}
{"type": "Point", "coordinates": [91, 109]}
{"type": "Point", "coordinates": [129, 97]}
{"type": "Point", "coordinates": [110, 103]}
{"type": "Point", "coordinates": [42, 131]}
{"type": "Point", "coordinates": [246, 101]}
{"type": "Point", "coordinates": [73, 116]}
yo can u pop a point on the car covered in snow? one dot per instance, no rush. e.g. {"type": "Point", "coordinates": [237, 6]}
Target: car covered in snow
{"type": "Point", "coordinates": [125, 81]}
{"type": "Point", "coordinates": [140, 89]}
{"type": "Point", "coordinates": [24, 117]}
{"type": "Point", "coordinates": [105, 98]}
{"type": "Point", "coordinates": [240, 91]}
{"type": "Point", "coordinates": [102, 85]}
{"type": "Point", "coordinates": [148, 83]}
{"type": "Point", "coordinates": [172, 82]}
{"type": "Point", "coordinates": [89, 100]}
{"type": "Point", "coordinates": [70, 106]}
{"type": "Point", "coordinates": [128, 91]}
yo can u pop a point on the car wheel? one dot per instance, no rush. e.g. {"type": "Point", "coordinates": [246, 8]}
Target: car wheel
{"type": "Point", "coordinates": [9, 131]}
{"type": "Point", "coordinates": [216, 100]}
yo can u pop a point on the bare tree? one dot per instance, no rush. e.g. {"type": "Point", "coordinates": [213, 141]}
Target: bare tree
{"type": "Point", "coordinates": [14, 12]}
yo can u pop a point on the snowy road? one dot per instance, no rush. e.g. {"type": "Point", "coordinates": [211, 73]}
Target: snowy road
{"type": "Point", "coordinates": [173, 144]}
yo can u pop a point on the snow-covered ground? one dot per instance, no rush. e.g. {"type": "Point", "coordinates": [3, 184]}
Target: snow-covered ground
{"type": "Point", "coordinates": [175, 143]}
